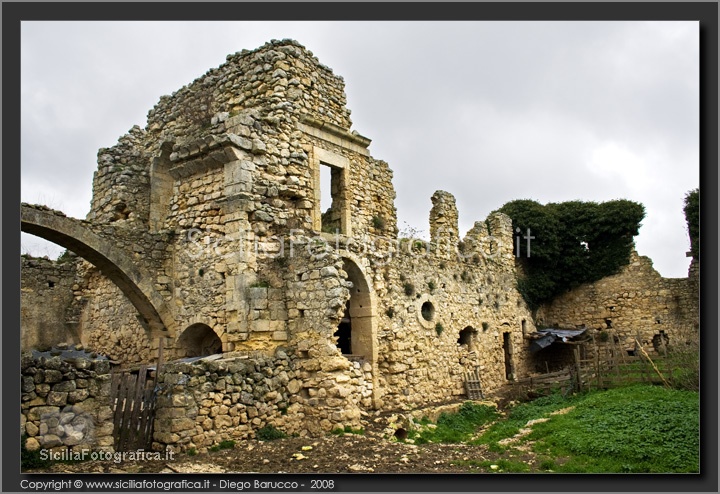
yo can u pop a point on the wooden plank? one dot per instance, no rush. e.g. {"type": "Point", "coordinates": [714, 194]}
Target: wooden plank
{"type": "Point", "coordinates": [147, 413]}
{"type": "Point", "coordinates": [115, 383]}
{"type": "Point", "coordinates": [128, 389]}
{"type": "Point", "coordinates": [121, 403]}
{"type": "Point", "coordinates": [137, 401]}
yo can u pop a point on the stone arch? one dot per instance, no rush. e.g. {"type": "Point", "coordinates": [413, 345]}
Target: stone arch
{"type": "Point", "coordinates": [467, 337]}
{"type": "Point", "coordinates": [356, 331]}
{"type": "Point", "coordinates": [134, 281]}
{"type": "Point", "coordinates": [362, 311]}
{"type": "Point", "coordinates": [199, 340]}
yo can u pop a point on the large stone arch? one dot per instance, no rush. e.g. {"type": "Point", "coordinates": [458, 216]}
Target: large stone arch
{"type": "Point", "coordinates": [362, 311]}
{"type": "Point", "coordinates": [134, 281]}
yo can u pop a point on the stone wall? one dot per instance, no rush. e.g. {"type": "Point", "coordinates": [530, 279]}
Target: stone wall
{"type": "Point", "coordinates": [108, 323]}
{"type": "Point", "coordinates": [203, 403]}
{"type": "Point", "coordinates": [636, 301]}
{"type": "Point", "coordinates": [65, 403]}
{"type": "Point", "coordinates": [46, 291]}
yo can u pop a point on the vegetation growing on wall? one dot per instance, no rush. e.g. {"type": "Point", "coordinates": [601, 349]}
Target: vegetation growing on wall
{"type": "Point", "coordinates": [571, 243]}
{"type": "Point", "coordinates": [692, 216]}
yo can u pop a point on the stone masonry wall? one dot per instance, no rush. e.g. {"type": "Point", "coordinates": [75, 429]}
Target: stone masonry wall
{"type": "Point", "coordinates": [206, 402]}
{"type": "Point", "coordinates": [108, 322]}
{"type": "Point", "coordinates": [635, 301]}
{"type": "Point", "coordinates": [65, 404]}
{"type": "Point", "coordinates": [423, 356]}
{"type": "Point", "coordinates": [46, 291]}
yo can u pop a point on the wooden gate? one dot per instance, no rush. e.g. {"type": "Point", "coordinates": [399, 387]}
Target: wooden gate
{"type": "Point", "coordinates": [132, 396]}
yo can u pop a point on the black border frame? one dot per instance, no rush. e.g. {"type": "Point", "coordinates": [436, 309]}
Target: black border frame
{"type": "Point", "coordinates": [704, 12]}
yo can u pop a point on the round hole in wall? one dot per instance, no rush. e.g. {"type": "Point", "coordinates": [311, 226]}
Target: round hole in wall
{"type": "Point", "coordinates": [427, 310]}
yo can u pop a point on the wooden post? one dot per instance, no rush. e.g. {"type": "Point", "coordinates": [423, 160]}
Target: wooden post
{"type": "Point", "coordinates": [576, 353]}
{"type": "Point", "coordinates": [161, 345]}
{"type": "Point", "coordinates": [616, 363]}
{"type": "Point", "coordinates": [597, 363]}
{"type": "Point", "coordinates": [654, 367]}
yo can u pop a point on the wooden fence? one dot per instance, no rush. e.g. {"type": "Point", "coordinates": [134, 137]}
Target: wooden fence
{"type": "Point", "coordinates": [606, 365]}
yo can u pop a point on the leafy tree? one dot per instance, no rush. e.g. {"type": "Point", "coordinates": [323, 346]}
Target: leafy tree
{"type": "Point", "coordinates": [692, 217]}
{"type": "Point", "coordinates": [573, 242]}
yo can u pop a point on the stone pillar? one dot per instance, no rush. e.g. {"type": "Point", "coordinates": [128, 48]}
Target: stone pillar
{"type": "Point", "coordinates": [444, 223]}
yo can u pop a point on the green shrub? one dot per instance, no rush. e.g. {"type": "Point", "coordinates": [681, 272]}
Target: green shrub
{"type": "Point", "coordinates": [228, 444]}
{"type": "Point", "coordinates": [574, 243]}
{"type": "Point", "coordinates": [31, 459]}
{"type": "Point", "coordinates": [269, 433]}
{"type": "Point", "coordinates": [409, 289]}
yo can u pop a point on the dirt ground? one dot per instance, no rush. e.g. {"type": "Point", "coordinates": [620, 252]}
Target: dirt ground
{"type": "Point", "coordinates": [371, 452]}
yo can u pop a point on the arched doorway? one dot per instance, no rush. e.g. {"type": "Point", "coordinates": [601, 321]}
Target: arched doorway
{"type": "Point", "coordinates": [199, 340]}
{"type": "Point", "coordinates": [355, 332]}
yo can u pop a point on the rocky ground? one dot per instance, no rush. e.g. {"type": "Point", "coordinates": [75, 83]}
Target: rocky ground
{"type": "Point", "coordinates": [332, 454]}
{"type": "Point", "coordinates": [374, 451]}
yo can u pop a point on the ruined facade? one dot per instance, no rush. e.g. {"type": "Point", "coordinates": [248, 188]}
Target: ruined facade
{"type": "Point", "coordinates": [635, 304]}
{"type": "Point", "coordinates": [218, 243]}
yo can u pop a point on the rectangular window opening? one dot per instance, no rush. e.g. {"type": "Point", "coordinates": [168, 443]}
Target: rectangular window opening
{"type": "Point", "coordinates": [331, 199]}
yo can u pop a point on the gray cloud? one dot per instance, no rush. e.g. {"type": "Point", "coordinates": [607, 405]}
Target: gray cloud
{"type": "Point", "coordinates": [490, 111]}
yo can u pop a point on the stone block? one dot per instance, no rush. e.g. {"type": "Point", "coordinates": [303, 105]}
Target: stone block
{"type": "Point", "coordinates": [223, 421]}
{"type": "Point", "coordinates": [32, 444]}
{"type": "Point", "coordinates": [56, 398]}
{"type": "Point", "coordinates": [64, 386]}
{"type": "Point", "coordinates": [260, 325]}
{"type": "Point", "coordinates": [50, 441]}
{"type": "Point", "coordinates": [181, 424]}
{"type": "Point", "coordinates": [78, 395]}
{"type": "Point", "coordinates": [53, 376]}
{"type": "Point", "coordinates": [280, 335]}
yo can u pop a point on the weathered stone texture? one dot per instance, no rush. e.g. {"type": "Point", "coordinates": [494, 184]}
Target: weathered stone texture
{"type": "Point", "coordinates": [635, 302]}
{"type": "Point", "coordinates": [46, 291]}
{"type": "Point", "coordinates": [65, 404]}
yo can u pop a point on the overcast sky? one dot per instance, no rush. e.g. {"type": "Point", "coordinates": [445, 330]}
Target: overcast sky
{"type": "Point", "coordinates": [489, 111]}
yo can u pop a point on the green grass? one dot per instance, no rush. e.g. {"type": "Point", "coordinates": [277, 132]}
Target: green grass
{"type": "Point", "coordinates": [519, 415]}
{"type": "Point", "coordinates": [457, 427]}
{"type": "Point", "coordinates": [648, 429]}
{"type": "Point", "coordinates": [223, 445]}
{"type": "Point", "coordinates": [633, 429]}
{"type": "Point", "coordinates": [347, 430]}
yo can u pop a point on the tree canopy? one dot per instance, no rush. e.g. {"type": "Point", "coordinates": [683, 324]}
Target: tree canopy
{"type": "Point", "coordinates": [574, 242]}
{"type": "Point", "coordinates": [692, 216]}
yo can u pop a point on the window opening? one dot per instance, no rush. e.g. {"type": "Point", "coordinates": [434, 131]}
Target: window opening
{"type": "Point", "coordinates": [466, 336]}
{"type": "Point", "coordinates": [331, 200]}
{"type": "Point", "coordinates": [427, 310]}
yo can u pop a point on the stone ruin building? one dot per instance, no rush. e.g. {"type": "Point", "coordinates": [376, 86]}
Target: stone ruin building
{"type": "Point", "coordinates": [206, 236]}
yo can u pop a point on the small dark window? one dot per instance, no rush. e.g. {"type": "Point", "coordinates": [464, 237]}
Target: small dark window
{"type": "Point", "coordinates": [427, 310]}
{"type": "Point", "coordinates": [466, 336]}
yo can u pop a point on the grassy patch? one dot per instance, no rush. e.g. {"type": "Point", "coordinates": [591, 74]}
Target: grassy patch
{"type": "Point", "coordinates": [646, 429]}
{"type": "Point", "coordinates": [223, 445]}
{"type": "Point", "coordinates": [456, 427]}
{"type": "Point", "coordinates": [347, 430]}
{"type": "Point", "coordinates": [518, 416]}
